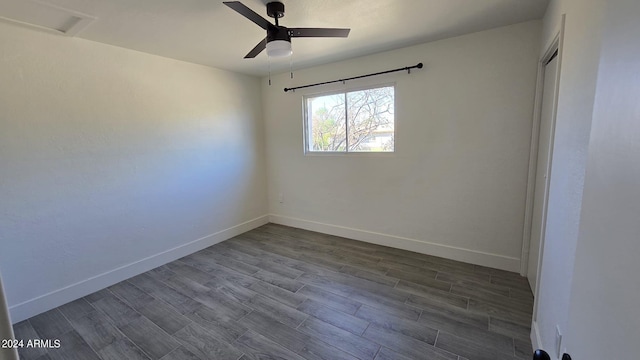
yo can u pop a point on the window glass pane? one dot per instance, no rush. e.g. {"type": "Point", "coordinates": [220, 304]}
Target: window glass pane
{"type": "Point", "coordinates": [371, 119]}
{"type": "Point", "coordinates": [326, 125]}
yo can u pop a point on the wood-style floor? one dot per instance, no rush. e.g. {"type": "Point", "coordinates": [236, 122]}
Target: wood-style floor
{"type": "Point", "coordinates": [283, 293]}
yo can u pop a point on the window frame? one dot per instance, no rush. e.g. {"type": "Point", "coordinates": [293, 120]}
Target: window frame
{"type": "Point", "coordinates": [345, 91]}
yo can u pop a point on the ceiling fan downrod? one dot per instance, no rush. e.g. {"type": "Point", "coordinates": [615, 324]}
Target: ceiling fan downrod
{"type": "Point", "coordinates": [275, 10]}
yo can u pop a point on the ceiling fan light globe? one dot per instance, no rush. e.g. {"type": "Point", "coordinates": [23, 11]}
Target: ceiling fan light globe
{"type": "Point", "coordinates": [279, 48]}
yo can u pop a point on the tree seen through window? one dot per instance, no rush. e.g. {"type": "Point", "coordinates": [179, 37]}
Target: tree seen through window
{"type": "Point", "coordinates": [355, 121]}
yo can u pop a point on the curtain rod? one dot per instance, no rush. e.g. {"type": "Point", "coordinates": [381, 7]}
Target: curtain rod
{"type": "Point", "coordinates": [406, 68]}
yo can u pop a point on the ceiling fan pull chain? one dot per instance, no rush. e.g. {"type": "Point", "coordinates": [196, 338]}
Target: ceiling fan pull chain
{"type": "Point", "coordinates": [291, 65]}
{"type": "Point", "coordinates": [269, 62]}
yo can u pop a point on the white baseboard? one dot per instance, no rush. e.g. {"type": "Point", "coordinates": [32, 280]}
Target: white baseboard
{"type": "Point", "coordinates": [450, 252]}
{"type": "Point", "coordinates": [82, 288]}
{"type": "Point", "coordinates": [536, 342]}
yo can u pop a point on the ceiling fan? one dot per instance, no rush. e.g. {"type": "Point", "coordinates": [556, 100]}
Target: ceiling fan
{"type": "Point", "coordinates": [278, 40]}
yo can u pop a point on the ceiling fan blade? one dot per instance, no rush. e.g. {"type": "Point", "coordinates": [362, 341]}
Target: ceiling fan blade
{"type": "Point", "coordinates": [319, 32]}
{"type": "Point", "coordinates": [248, 13]}
{"type": "Point", "coordinates": [257, 50]}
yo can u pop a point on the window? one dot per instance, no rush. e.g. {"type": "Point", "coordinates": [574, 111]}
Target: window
{"type": "Point", "coordinates": [353, 121]}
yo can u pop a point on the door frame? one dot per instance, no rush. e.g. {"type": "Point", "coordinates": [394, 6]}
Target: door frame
{"type": "Point", "coordinates": [557, 44]}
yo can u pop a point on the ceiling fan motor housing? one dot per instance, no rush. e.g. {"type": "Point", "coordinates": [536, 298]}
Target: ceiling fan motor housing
{"type": "Point", "coordinates": [278, 41]}
{"type": "Point", "coordinates": [275, 9]}
{"type": "Point", "coordinates": [278, 33]}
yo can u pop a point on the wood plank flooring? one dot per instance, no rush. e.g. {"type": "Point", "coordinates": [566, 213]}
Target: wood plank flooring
{"type": "Point", "coordinates": [283, 293]}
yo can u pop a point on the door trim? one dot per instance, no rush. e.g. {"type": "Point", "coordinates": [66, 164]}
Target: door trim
{"type": "Point", "coordinates": [556, 44]}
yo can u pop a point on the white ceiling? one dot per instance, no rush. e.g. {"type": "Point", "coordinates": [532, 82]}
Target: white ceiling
{"type": "Point", "coordinates": [209, 33]}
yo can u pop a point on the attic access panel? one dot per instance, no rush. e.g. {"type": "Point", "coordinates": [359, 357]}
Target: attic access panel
{"type": "Point", "coordinates": [46, 17]}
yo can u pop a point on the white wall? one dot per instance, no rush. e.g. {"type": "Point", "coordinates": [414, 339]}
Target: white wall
{"type": "Point", "coordinates": [604, 318]}
{"type": "Point", "coordinates": [114, 161]}
{"type": "Point", "coordinates": [578, 74]}
{"type": "Point", "coordinates": [455, 187]}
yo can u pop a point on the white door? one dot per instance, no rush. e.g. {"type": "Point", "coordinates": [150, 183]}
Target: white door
{"type": "Point", "coordinates": [542, 169]}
